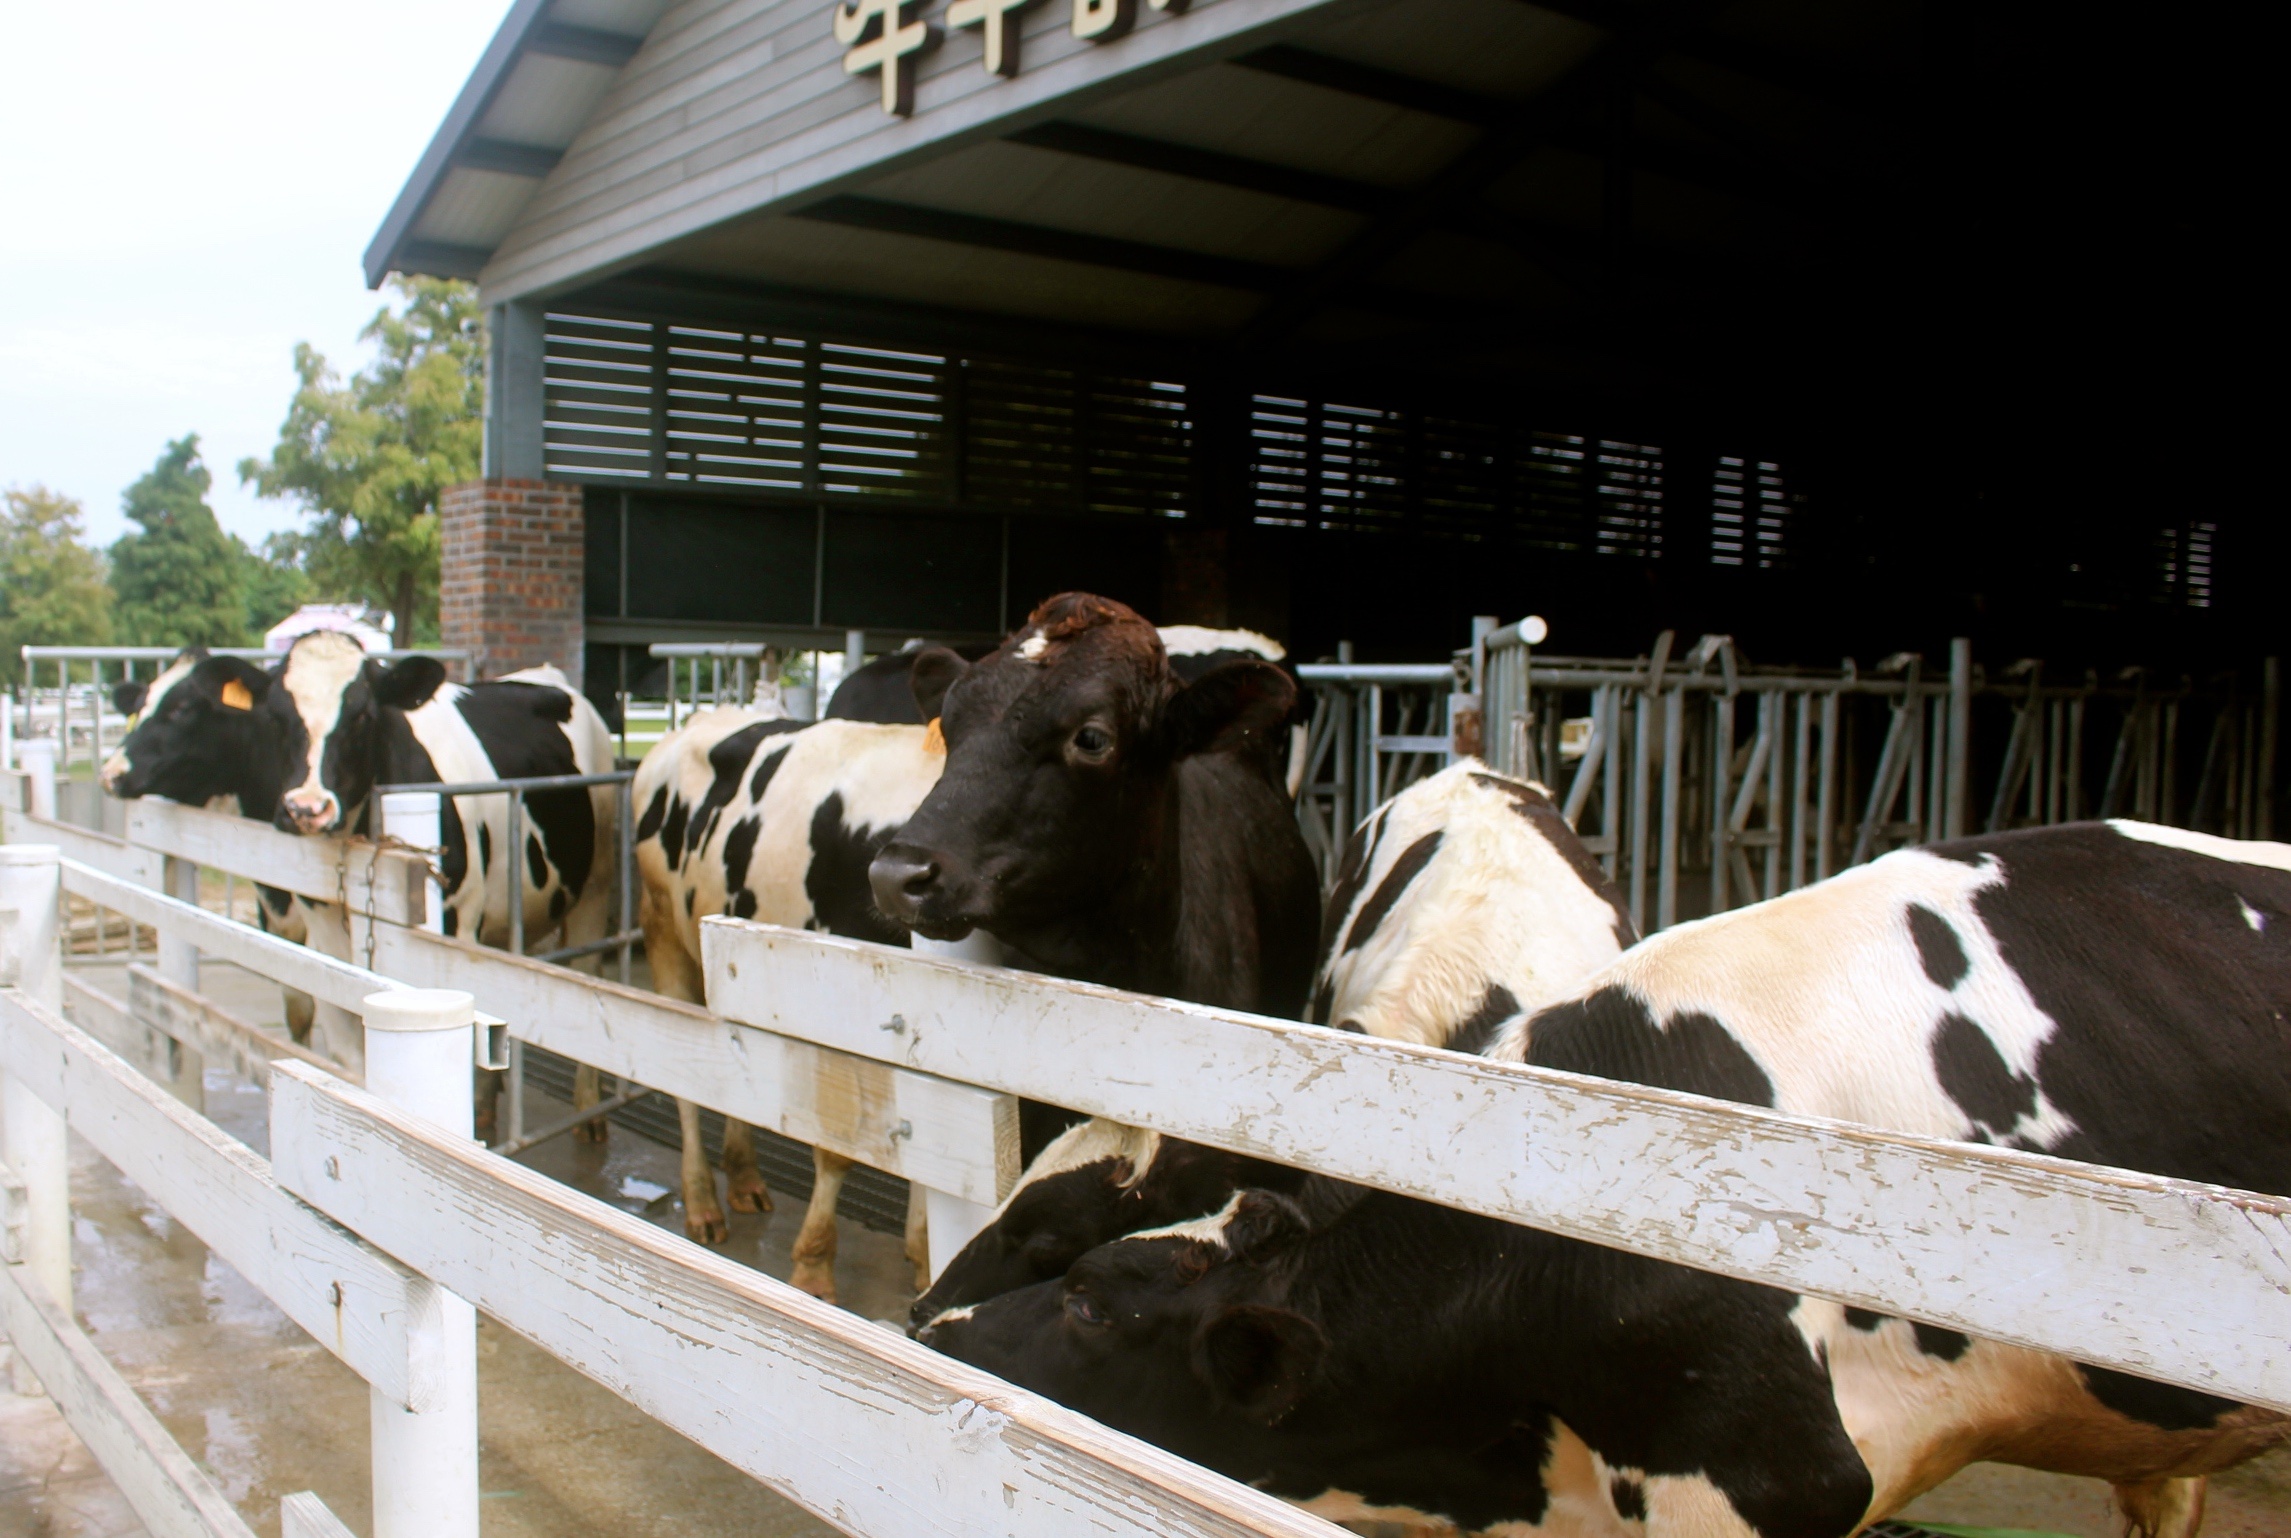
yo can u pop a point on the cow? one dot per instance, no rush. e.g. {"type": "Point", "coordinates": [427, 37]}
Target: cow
{"type": "Point", "coordinates": [703, 797]}
{"type": "Point", "coordinates": [1460, 904]}
{"type": "Point", "coordinates": [1114, 825]}
{"type": "Point", "coordinates": [193, 736]}
{"type": "Point", "coordinates": [2112, 992]}
{"type": "Point", "coordinates": [775, 821]}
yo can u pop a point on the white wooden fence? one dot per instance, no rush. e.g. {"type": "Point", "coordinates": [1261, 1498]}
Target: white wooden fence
{"type": "Point", "coordinates": [914, 1064]}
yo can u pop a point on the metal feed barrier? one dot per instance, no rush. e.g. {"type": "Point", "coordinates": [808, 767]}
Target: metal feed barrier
{"type": "Point", "coordinates": [378, 1226]}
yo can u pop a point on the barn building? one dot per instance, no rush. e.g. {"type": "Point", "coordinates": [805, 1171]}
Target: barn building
{"type": "Point", "coordinates": [1839, 327]}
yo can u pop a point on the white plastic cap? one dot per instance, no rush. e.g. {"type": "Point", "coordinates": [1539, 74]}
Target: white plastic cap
{"type": "Point", "coordinates": [1532, 630]}
{"type": "Point", "coordinates": [419, 1009]}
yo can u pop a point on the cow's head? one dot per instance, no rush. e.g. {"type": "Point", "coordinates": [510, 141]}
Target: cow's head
{"type": "Point", "coordinates": [1181, 1336]}
{"type": "Point", "coordinates": [329, 702]}
{"type": "Point", "coordinates": [1060, 750]}
{"type": "Point", "coordinates": [196, 733]}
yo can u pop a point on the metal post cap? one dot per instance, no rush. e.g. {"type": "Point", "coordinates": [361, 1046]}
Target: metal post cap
{"type": "Point", "coordinates": [419, 1009]}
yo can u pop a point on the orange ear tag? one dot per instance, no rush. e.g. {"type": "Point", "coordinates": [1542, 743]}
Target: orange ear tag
{"type": "Point", "coordinates": [236, 697]}
{"type": "Point", "coordinates": [934, 740]}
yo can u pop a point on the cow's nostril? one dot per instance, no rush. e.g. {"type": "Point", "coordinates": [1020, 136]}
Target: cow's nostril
{"type": "Point", "coordinates": [902, 882]}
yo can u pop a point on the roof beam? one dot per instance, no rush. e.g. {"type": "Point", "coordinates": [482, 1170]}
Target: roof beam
{"type": "Point", "coordinates": [1037, 240]}
{"type": "Point", "coordinates": [1208, 166]}
{"type": "Point", "coordinates": [507, 157]}
{"type": "Point", "coordinates": [442, 258]}
{"type": "Point", "coordinates": [589, 45]}
{"type": "Point", "coordinates": [1373, 84]}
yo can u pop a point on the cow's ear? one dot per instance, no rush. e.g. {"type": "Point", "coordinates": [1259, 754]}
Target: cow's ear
{"type": "Point", "coordinates": [936, 671]}
{"type": "Point", "coordinates": [230, 682]}
{"type": "Point", "coordinates": [1263, 1224]}
{"type": "Point", "coordinates": [127, 698]}
{"type": "Point", "coordinates": [1230, 707]}
{"type": "Point", "coordinates": [408, 683]}
{"type": "Point", "coordinates": [1258, 1360]}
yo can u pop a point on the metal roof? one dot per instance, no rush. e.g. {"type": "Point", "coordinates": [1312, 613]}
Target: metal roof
{"type": "Point", "coordinates": [547, 68]}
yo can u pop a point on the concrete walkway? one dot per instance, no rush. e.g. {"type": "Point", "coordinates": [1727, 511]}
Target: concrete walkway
{"type": "Point", "coordinates": [268, 1412]}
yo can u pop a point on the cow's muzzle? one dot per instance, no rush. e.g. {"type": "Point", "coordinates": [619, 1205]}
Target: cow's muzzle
{"type": "Point", "coordinates": [113, 776]}
{"type": "Point", "coordinates": [309, 810]}
{"type": "Point", "coordinates": [912, 888]}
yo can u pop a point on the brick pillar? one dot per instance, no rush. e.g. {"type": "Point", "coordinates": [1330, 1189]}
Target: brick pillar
{"type": "Point", "coordinates": [510, 574]}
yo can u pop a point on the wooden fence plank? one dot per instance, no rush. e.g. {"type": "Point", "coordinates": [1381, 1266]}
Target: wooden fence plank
{"type": "Point", "coordinates": [357, 1303]}
{"type": "Point", "coordinates": [2164, 1278]}
{"type": "Point", "coordinates": [393, 884]}
{"type": "Point", "coordinates": [166, 1489]}
{"type": "Point", "coordinates": [213, 1031]}
{"type": "Point", "coordinates": [947, 1136]}
{"type": "Point", "coordinates": [844, 1417]}
{"type": "Point", "coordinates": [114, 857]}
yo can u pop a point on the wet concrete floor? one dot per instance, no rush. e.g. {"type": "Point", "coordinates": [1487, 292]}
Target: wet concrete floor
{"type": "Point", "coordinates": [268, 1412]}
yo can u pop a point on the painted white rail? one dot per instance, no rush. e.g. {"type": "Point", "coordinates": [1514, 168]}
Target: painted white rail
{"type": "Point", "coordinates": [2168, 1279]}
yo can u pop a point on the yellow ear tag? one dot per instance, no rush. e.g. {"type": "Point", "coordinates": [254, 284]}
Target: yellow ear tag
{"type": "Point", "coordinates": [236, 697]}
{"type": "Point", "coordinates": [934, 740]}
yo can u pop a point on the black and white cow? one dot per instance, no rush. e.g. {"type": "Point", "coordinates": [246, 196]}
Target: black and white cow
{"type": "Point", "coordinates": [775, 821]}
{"type": "Point", "coordinates": [1460, 904]}
{"type": "Point", "coordinates": [194, 737]}
{"type": "Point", "coordinates": [2107, 992]}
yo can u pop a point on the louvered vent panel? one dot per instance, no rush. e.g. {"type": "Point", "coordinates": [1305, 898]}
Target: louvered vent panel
{"type": "Point", "coordinates": [598, 395]}
{"type": "Point", "coordinates": [1750, 511]}
{"type": "Point", "coordinates": [1060, 440]}
{"type": "Point", "coordinates": [883, 423]}
{"type": "Point", "coordinates": [2184, 555]}
{"type": "Point", "coordinates": [739, 409]}
{"type": "Point", "coordinates": [1555, 502]}
{"type": "Point", "coordinates": [1627, 484]}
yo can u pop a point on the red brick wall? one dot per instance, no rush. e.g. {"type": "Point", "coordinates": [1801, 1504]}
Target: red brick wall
{"type": "Point", "coordinates": [510, 578]}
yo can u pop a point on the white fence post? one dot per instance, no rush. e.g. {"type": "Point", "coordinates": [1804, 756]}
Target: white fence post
{"type": "Point", "coordinates": [953, 1220]}
{"type": "Point", "coordinates": [179, 964]}
{"type": "Point", "coordinates": [420, 1053]}
{"type": "Point", "coordinates": [418, 818]}
{"type": "Point", "coordinates": [34, 1141]}
{"type": "Point", "coordinates": [38, 755]}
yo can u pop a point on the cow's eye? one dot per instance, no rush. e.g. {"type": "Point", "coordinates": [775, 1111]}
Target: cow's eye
{"type": "Point", "coordinates": [1084, 1310]}
{"type": "Point", "coordinates": [1093, 742]}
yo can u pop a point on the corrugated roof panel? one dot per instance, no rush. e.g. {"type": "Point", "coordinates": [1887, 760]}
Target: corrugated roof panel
{"type": "Point", "coordinates": [545, 100]}
{"type": "Point", "coordinates": [1494, 47]}
{"type": "Point", "coordinates": [1286, 122]}
{"type": "Point", "coordinates": [632, 17]}
{"type": "Point", "coordinates": [837, 259]}
{"type": "Point", "coordinates": [474, 208]}
{"type": "Point", "coordinates": [1066, 192]}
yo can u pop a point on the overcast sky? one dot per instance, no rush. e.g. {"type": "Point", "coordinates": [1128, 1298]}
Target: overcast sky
{"type": "Point", "coordinates": [185, 192]}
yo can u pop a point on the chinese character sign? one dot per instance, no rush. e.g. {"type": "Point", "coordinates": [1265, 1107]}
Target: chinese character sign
{"type": "Point", "coordinates": [874, 36]}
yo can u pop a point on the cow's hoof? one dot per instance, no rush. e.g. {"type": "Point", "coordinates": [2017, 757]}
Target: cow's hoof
{"type": "Point", "coordinates": [746, 1191]}
{"type": "Point", "coordinates": [819, 1281]}
{"type": "Point", "coordinates": [706, 1227]}
{"type": "Point", "coordinates": [596, 1131]}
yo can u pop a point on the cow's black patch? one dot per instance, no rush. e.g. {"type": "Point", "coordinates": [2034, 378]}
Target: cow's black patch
{"type": "Point", "coordinates": [1380, 902]}
{"type": "Point", "coordinates": [764, 772]}
{"type": "Point", "coordinates": [1946, 1345]}
{"type": "Point", "coordinates": [842, 902]}
{"type": "Point", "coordinates": [691, 895]}
{"type": "Point", "coordinates": [1476, 1033]}
{"type": "Point", "coordinates": [672, 834]}
{"type": "Point", "coordinates": [536, 861]}
{"type": "Point", "coordinates": [739, 850]}
{"type": "Point", "coordinates": [1323, 997]}
{"type": "Point", "coordinates": [1359, 854]}
{"type": "Point", "coordinates": [1630, 1499]}
{"type": "Point", "coordinates": [2155, 1404]}
{"type": "Point", "coordinates": [522, 730]}
{"type": "Point", "coordinates": [1612, 1033]}
{"type": "Point", "coordinates": [1976, 1076]}
{"type": "Point", "coordinates": [484, 849]}
{"type": "Point", "coordinates": [1938, 947]}
{"type": "Point", "coordinates": [728, 757]}
{"type": "Point", "coordinates": [559, 901]}
{"type": "Point", "coordinates": [654, 811]}
{"type": "Point", "coordinates": [450, 921]}
{"type": "Point", "coordinates": [1551, 825]}
{"type": "Point", "coordinates": [1864, 1320]}
{"type": "Point", "coordinates": [743, 904]}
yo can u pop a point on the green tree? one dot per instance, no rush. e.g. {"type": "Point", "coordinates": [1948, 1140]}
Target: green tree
{"type": "Point", "coordinates": [368, 459]}
{"type": "Point", "coordinates": [275, 583]}
{"type": "Point", "coordinates": [180, 579]}
{"type": "Point", "coordinates": [52, 590]}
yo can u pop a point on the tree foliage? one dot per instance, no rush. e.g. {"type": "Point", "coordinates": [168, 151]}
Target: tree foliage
{"type": "Point", "coordinates": [368, 459]}
{"type": "Point", "coordinates": [52, 590]}
{"type": "Point", "coordinates": [180, 580]}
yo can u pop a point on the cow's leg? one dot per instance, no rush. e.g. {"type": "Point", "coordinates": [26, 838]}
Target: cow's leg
{"type": "Point", "coordinates": [585, 924]}
{"type": "Point", "coordinates": [815, 1242]}
{"type": "Point", "coordinates": [744, 1185]}
{"type": "Point", "coordinates": [703, 1216]}
{"type": "Point", "coordinates": [340, 1034]}
{"type": "Point", "coordinates": [586, 1094]}
{"type": "Point", "coordinates": [919, 1237]}
{"type": "Point", "coordinates": [301, 1011]}
{"type": "Point", "coordinates": [2162, 1508]}
{"type": "Point", "coordinates": [281, 913]}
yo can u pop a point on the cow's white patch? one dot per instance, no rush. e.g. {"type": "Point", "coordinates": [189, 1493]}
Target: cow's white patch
{"type": "Point", "coordinates": [1208, 1230]}
{"type": "Point", "coordinates": [1825, 989]}
{"type": "Point", "coordinates": [952, 1316]}
{"type": "Point", "coordinates": [320, 667]}
{"type": "Point", "coordinates": [2252, 916]}
{"type": "Point", "coordinates": [1498, 905]}
{"type": "Point", "coordinates": [1032, 648]}
{"type": "Point", "coordinates": [116, 764]}
{"type": "Point", "coordinates": [1201, 641]}
{"type": "Point", "coordinates": [1092, 1142]}
{"type": "Point", "coordinates": [2243, 851]}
